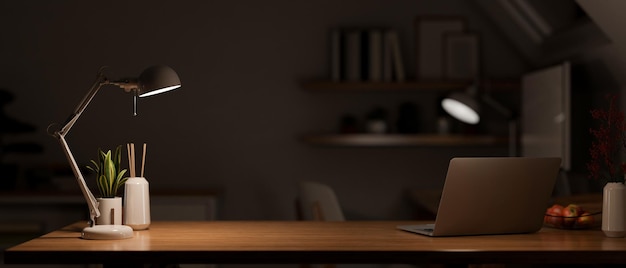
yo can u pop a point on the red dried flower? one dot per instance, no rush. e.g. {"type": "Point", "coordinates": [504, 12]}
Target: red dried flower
{"type": "Point", "coordinates": [610, 141]}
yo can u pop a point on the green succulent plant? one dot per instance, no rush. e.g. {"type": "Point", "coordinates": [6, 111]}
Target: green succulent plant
{"type": "Point", "coordinates": [109, 174]}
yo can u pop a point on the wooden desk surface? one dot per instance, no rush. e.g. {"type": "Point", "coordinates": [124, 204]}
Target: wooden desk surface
{"type": "Point", "coordinates": [315, 242]}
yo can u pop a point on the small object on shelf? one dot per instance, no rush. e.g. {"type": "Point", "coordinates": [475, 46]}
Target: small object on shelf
{"type": "Point", "coordinates": [376, 126]}
{"type": "Point", "coordinates": [444, 121]}
{"type": "Point", "coordinates": [376, 121]}
{"type": "Point", "coordinates": [408, 121]}
{"type": "Point", "coordinates": [348, 124]}
{"type": "Point", "coordinates": [443, 125]}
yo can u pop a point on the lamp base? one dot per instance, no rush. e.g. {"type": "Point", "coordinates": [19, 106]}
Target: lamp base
{"type": "Point", "coordinates": [108, 232]}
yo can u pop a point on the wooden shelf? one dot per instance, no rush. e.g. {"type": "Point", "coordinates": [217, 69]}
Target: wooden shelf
{"type": "Point", "coordinates": [392, 140]}
{"type": "Point", "coordinates": [322, 85]}
{"type": "Point", "coordinates": [404, 140]}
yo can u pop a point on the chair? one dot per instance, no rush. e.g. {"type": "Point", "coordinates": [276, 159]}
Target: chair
{"type": "Point", "coordinates": [318, 202]}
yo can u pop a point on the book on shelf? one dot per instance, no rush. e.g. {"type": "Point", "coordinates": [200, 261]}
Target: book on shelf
{"type": "Point", "coordinates": [335, 55]}
{"type": "Point", "coordinates": [370, 54]}
{"type": "Point", "coordinates": [394, 54]}
{"type": "Point", "coordinates": [375, 55]}
{"type": "Point", "coordinates": [430, 43]}
{"type": "Point", "coordinates": [387, 59]}
{"type": "Point", "coordinates": [353, 55]}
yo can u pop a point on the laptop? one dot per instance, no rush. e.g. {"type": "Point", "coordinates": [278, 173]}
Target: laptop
{"type": "Point", "coordinates": [493, 195]}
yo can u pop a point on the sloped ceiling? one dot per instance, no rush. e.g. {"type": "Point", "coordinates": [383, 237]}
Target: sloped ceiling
{"type": "Point", "coordinates": [609, 16]}
{"type": "Point", "coordinates": [545, 32]}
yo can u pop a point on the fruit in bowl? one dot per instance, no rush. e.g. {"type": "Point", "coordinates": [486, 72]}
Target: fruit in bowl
{"type": "Point", "coordinates": [554, 215]}
{"type": "Point", "coordinates": [571, 216]}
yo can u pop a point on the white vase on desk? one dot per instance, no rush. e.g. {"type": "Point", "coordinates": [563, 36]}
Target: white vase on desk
{"type": "Point", "coordinates": [137, 203]}
{"type": "Point", "coordinates": [613, 209]}
{"type": "Point", "coordinates": [110, 211]}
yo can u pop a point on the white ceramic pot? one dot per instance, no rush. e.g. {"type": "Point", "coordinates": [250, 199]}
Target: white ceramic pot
{"type": "Point", "coordinates": [613, 209]}
{"type": "Point", "coordinates": [110, 211]}
{"type": "Point", "coordinates": [137, 203]}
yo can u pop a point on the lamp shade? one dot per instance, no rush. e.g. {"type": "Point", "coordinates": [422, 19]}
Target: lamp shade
{"type": "Point", "coordinates": [462, 107]}
{"type": "Point", "coordinates": [157, 79]}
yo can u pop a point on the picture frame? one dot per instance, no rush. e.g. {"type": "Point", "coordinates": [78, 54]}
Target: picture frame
{"type": "Point", "coordinates": [462, 56]}
{"type": "Point", "coordinates": [429, 42]}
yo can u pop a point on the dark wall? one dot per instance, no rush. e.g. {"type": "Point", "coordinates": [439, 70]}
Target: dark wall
{"type": "Point", "coordinates": [234, 125]}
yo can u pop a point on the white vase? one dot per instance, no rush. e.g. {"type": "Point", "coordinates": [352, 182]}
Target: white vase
{"type": "Point", "coordinates": [110, 211]}
{"type": "Point", "coordinates": [613, 209]}
{"type": "Point", "coordinates": [137, 203]}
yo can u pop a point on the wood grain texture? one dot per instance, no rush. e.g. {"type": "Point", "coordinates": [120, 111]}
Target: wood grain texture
{"type": "Point", "coordinates": [316, 242]}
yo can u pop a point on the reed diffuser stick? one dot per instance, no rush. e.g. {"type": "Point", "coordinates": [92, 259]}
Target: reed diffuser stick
{"type": "Point", "coordinates": [130, 159]}
{"type": "Point", "coordinates": [143, 158]}
{"type": "Point", "coordinates": [132, 153]}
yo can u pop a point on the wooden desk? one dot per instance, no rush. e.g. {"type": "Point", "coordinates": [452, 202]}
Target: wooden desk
{"type": "Point", "coordinates": [315, 242]}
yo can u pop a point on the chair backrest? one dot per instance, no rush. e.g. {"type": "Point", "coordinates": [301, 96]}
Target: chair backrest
{"type": "Point", "coordinates": [318, 202]}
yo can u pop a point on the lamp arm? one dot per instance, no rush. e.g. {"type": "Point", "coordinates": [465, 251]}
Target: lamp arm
{"type": "Point", "coordinates": [497, 106]}
{"type": "Point", "coordinates": [94, 212]}
{"type": "Point", "coordinates": [100, 81]}
{"type": "Point", "coordinates": [512, 122]}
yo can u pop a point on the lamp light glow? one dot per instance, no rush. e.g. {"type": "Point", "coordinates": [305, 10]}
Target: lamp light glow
{"type": "Point", "coordinates": [465, 107]}
{"type": "Point", "coordinates": [462, 107]}
{"type": "Point", "coordinates": [152, 81]}
{"type": "Point", "coordinates": [158, 91]}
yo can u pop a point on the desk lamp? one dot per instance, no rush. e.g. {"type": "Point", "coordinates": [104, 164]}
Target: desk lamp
{"type": "Point", "coordinates": [465, 107]}
{"type": "Point", "coordinates": [152, 81]}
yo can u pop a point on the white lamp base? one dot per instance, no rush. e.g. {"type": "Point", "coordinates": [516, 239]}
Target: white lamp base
{"type": "Point", "coordinates": [107, 232]}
